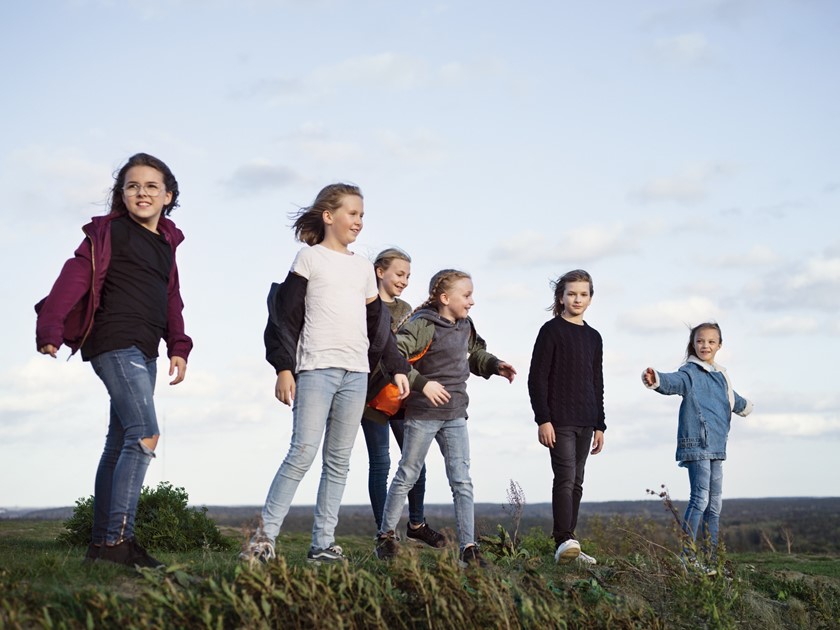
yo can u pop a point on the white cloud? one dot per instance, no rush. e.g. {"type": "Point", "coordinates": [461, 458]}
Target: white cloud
{"type": "Point", "coordinates": [691, 185]}
{"type": "Point", "coordinates": [811, 284]}
{"type": "Point", "coordinates": [666, 315]}
{"type": "Point", "coordinates": [789, 325]}
{"type": "Point", "coordinates": [577, 245]}
{"type": "Point", "coordinates": [816, 425]}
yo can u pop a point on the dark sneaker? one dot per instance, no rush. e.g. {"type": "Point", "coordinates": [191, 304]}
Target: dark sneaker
{"type": "Point", "coordinates": [471, 557]}
{"type": "Point", "coordinates": [426, 534]}
{"type": "Point", "coordinates": [92, 552]}
{"type": "Point", "coordinates": [330, 555]}
{"type": "Point", "coordinates": [260, 549]}
{"type": "Point", "coordinates": [387, 546]}
{"type": "Point", "coordinates": [142, 559]}
{"type": "Point", "coordinates": [128, 553]}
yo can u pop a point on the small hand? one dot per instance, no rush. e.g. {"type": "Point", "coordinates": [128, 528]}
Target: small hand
{"type": "Point", "coordinates": [284, 389]}
{"type": "Point", "coordinates": [649, 377]}
{"type": "Point", "coordinates": [179, 365]}
{"type": "Point", "coordinates": [436, 393]}
{"type": "Point", "coordinates": [401, 381]}
{"type": "Point", "coordinates": [48, 349]}
{"type": "Point", "coordinates": [507, 370]}
{"type": "Point", "coordinates": [597, 442]}
{"type": "Point", "coordinates": [545, 433]}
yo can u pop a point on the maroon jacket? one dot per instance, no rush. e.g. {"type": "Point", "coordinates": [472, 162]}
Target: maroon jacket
{"type": "Point", "coordinates": [66, 314]}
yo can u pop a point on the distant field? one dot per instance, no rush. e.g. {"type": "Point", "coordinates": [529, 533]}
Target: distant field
{"type": "Point", "coordinates": [798, 524]}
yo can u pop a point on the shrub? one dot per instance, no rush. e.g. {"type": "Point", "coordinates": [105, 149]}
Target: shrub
{"type": "Point", "coordinates": [164, 522]}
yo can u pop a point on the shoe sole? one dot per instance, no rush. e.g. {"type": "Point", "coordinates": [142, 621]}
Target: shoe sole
{"type": "Point", "coordinates": [567, 556]}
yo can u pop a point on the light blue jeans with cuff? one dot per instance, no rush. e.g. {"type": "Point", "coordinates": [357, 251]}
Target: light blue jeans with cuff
{"type": "Point", "coordinates": [328, 404]}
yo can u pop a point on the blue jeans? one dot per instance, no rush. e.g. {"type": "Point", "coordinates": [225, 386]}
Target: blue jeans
{"type": "Point", "coordinates": [328, 404]}
{"type": "Point", "coordinates": [129, 377]}
{"type": "Point", "coordinates": [568, 463]}
{"type": "Point", "coordinates": [377, 438]}
{"type": "Point", "coordinates": [454, 443]}
{"type": "Point", "coordinates": [706, 478]}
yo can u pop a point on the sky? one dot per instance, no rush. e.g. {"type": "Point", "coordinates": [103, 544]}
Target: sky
{"type": "Point", "coordinates": [686, 154]}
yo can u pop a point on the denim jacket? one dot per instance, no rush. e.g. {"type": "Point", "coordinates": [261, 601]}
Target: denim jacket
{"type": "Point", "coordinates": [706, 408]}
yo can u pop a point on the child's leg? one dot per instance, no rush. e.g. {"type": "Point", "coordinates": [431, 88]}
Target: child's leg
{"type": "Point", "coordinates": [416, 442]}
{"type": "Point", "coordinates": [105, 478]}
{"type": "Point", "coordinates": [377, 438]}
{"type": "Point", "coordinates": [309, 417]}
{"type": "Point", "coordinates": [417, 495]}
{"type": "Point", "coordinates": [342, 428]}
{"type": "Point", "coordinates": [711, 517]}
{"type": "Point", "coordinates": [454, 442]}
{"type": "Point", "coordinates": [583, 444]}
{"type": "Point", "coordinates": [564, 465]}
{"type": "Point", "coordinates": [699, 476]}
{"type": "Point", "coordinates": [129, 377]}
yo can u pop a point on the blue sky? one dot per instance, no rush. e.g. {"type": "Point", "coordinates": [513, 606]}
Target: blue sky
{"type": "Point", "coordinates": [685, 153]}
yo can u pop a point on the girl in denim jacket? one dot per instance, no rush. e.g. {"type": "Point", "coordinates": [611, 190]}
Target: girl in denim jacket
{"type": "Point", "coordinates": [705, 413]}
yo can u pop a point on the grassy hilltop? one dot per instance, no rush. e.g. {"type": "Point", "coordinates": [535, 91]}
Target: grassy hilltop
{"type": "Point", "coordinates": [790, 579]}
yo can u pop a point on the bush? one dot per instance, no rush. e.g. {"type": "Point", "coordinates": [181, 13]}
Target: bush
{"type": "Point", "coordinates": [164, 522]}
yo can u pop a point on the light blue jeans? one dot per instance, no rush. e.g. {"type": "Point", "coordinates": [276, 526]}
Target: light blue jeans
{"type": "Point", "coordinates": [328, 404]}
{"type": "Point", "coordinates": [706, 478]}
{"type": "Point", "coordinates": [129, 377]}
{"type": "Point", "coordinates": [454, 443]}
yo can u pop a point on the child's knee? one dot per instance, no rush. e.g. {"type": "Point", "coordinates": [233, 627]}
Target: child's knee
{"type": "Point", "coordinates": [149, 444]}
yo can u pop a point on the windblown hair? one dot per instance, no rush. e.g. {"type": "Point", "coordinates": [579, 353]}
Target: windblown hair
{"type": "Point", "coordinates": [440, 283]}
{"type": "Point", "coordinates": [309, 222]}
{"type": "Point", "coordinates": [143, 159]}
{"type": "Point", "coordinates": [690, 351]}
{"type": "Point", "coordinates": [559, 286]}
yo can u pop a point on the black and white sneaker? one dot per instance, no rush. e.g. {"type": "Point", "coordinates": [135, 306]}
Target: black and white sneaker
{"type": "Point", "coordinates": [330, 555]}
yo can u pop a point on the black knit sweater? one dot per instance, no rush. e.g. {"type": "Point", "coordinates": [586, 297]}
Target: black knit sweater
{"type": "Point", "coordinates": [566, 380]}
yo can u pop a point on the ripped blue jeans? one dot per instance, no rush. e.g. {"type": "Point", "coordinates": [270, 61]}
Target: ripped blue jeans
{"type": "Point", "coordinates": [129, 377]}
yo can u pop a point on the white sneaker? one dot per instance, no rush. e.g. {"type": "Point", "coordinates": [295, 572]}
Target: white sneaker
{"type": "Point", "coordinates": [260, 550]}
{"type": "Point", "coordinates": [585, 558]}
{"type": "Point", "coordinates": [567, 551]}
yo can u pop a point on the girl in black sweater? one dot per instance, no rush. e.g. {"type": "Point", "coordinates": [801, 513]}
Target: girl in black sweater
{"type": "Point", "coordinates": [566, 386]}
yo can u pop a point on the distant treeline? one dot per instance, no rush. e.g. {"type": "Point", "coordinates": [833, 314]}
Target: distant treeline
{"type": "Point", "coordinates": [797, 525]}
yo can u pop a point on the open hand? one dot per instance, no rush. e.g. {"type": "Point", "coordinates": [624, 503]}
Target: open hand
{"type": "Point", "coordinates": [436, 393]}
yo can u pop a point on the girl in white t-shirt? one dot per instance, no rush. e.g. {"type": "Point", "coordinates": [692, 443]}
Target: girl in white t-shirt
{"type": "Point", "coordinates": [326, 383]}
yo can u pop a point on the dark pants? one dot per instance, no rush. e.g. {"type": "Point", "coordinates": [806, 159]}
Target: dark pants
{"type": "Point", "coordinates": [377, 438]}
{"type": "Point", "coordinates": [568, 460]}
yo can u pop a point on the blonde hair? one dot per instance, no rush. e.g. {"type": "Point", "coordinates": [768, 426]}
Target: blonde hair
{"type": "Point", "coordinates": [387, 256]}
{"type": "Point", "coordinates": [440, 283]}
{"type": "Point", "coordinates": [309, 222]}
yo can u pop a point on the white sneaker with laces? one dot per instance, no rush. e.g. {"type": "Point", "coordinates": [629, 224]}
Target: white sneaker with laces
{"type": "Point", "coordinates": [260, 550]}
{"type": "Point", "coordinates": [567, 551]}
{"type": "Point", "coordinates": [585, 558]}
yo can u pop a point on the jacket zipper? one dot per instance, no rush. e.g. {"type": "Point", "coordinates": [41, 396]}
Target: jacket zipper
{"type": "Point", "coordinates": [92, 294]}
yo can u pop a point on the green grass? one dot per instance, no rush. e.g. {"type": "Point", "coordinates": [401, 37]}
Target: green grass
{"type": "Point", "coordinates": [637, 584]}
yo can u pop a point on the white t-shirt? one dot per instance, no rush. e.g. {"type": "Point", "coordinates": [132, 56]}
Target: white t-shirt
{"type": "Point", "coordinates": [334, 331]}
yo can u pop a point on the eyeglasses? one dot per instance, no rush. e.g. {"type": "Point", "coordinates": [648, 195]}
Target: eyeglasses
{"type": "Point", "coordinates": [152, 189]}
